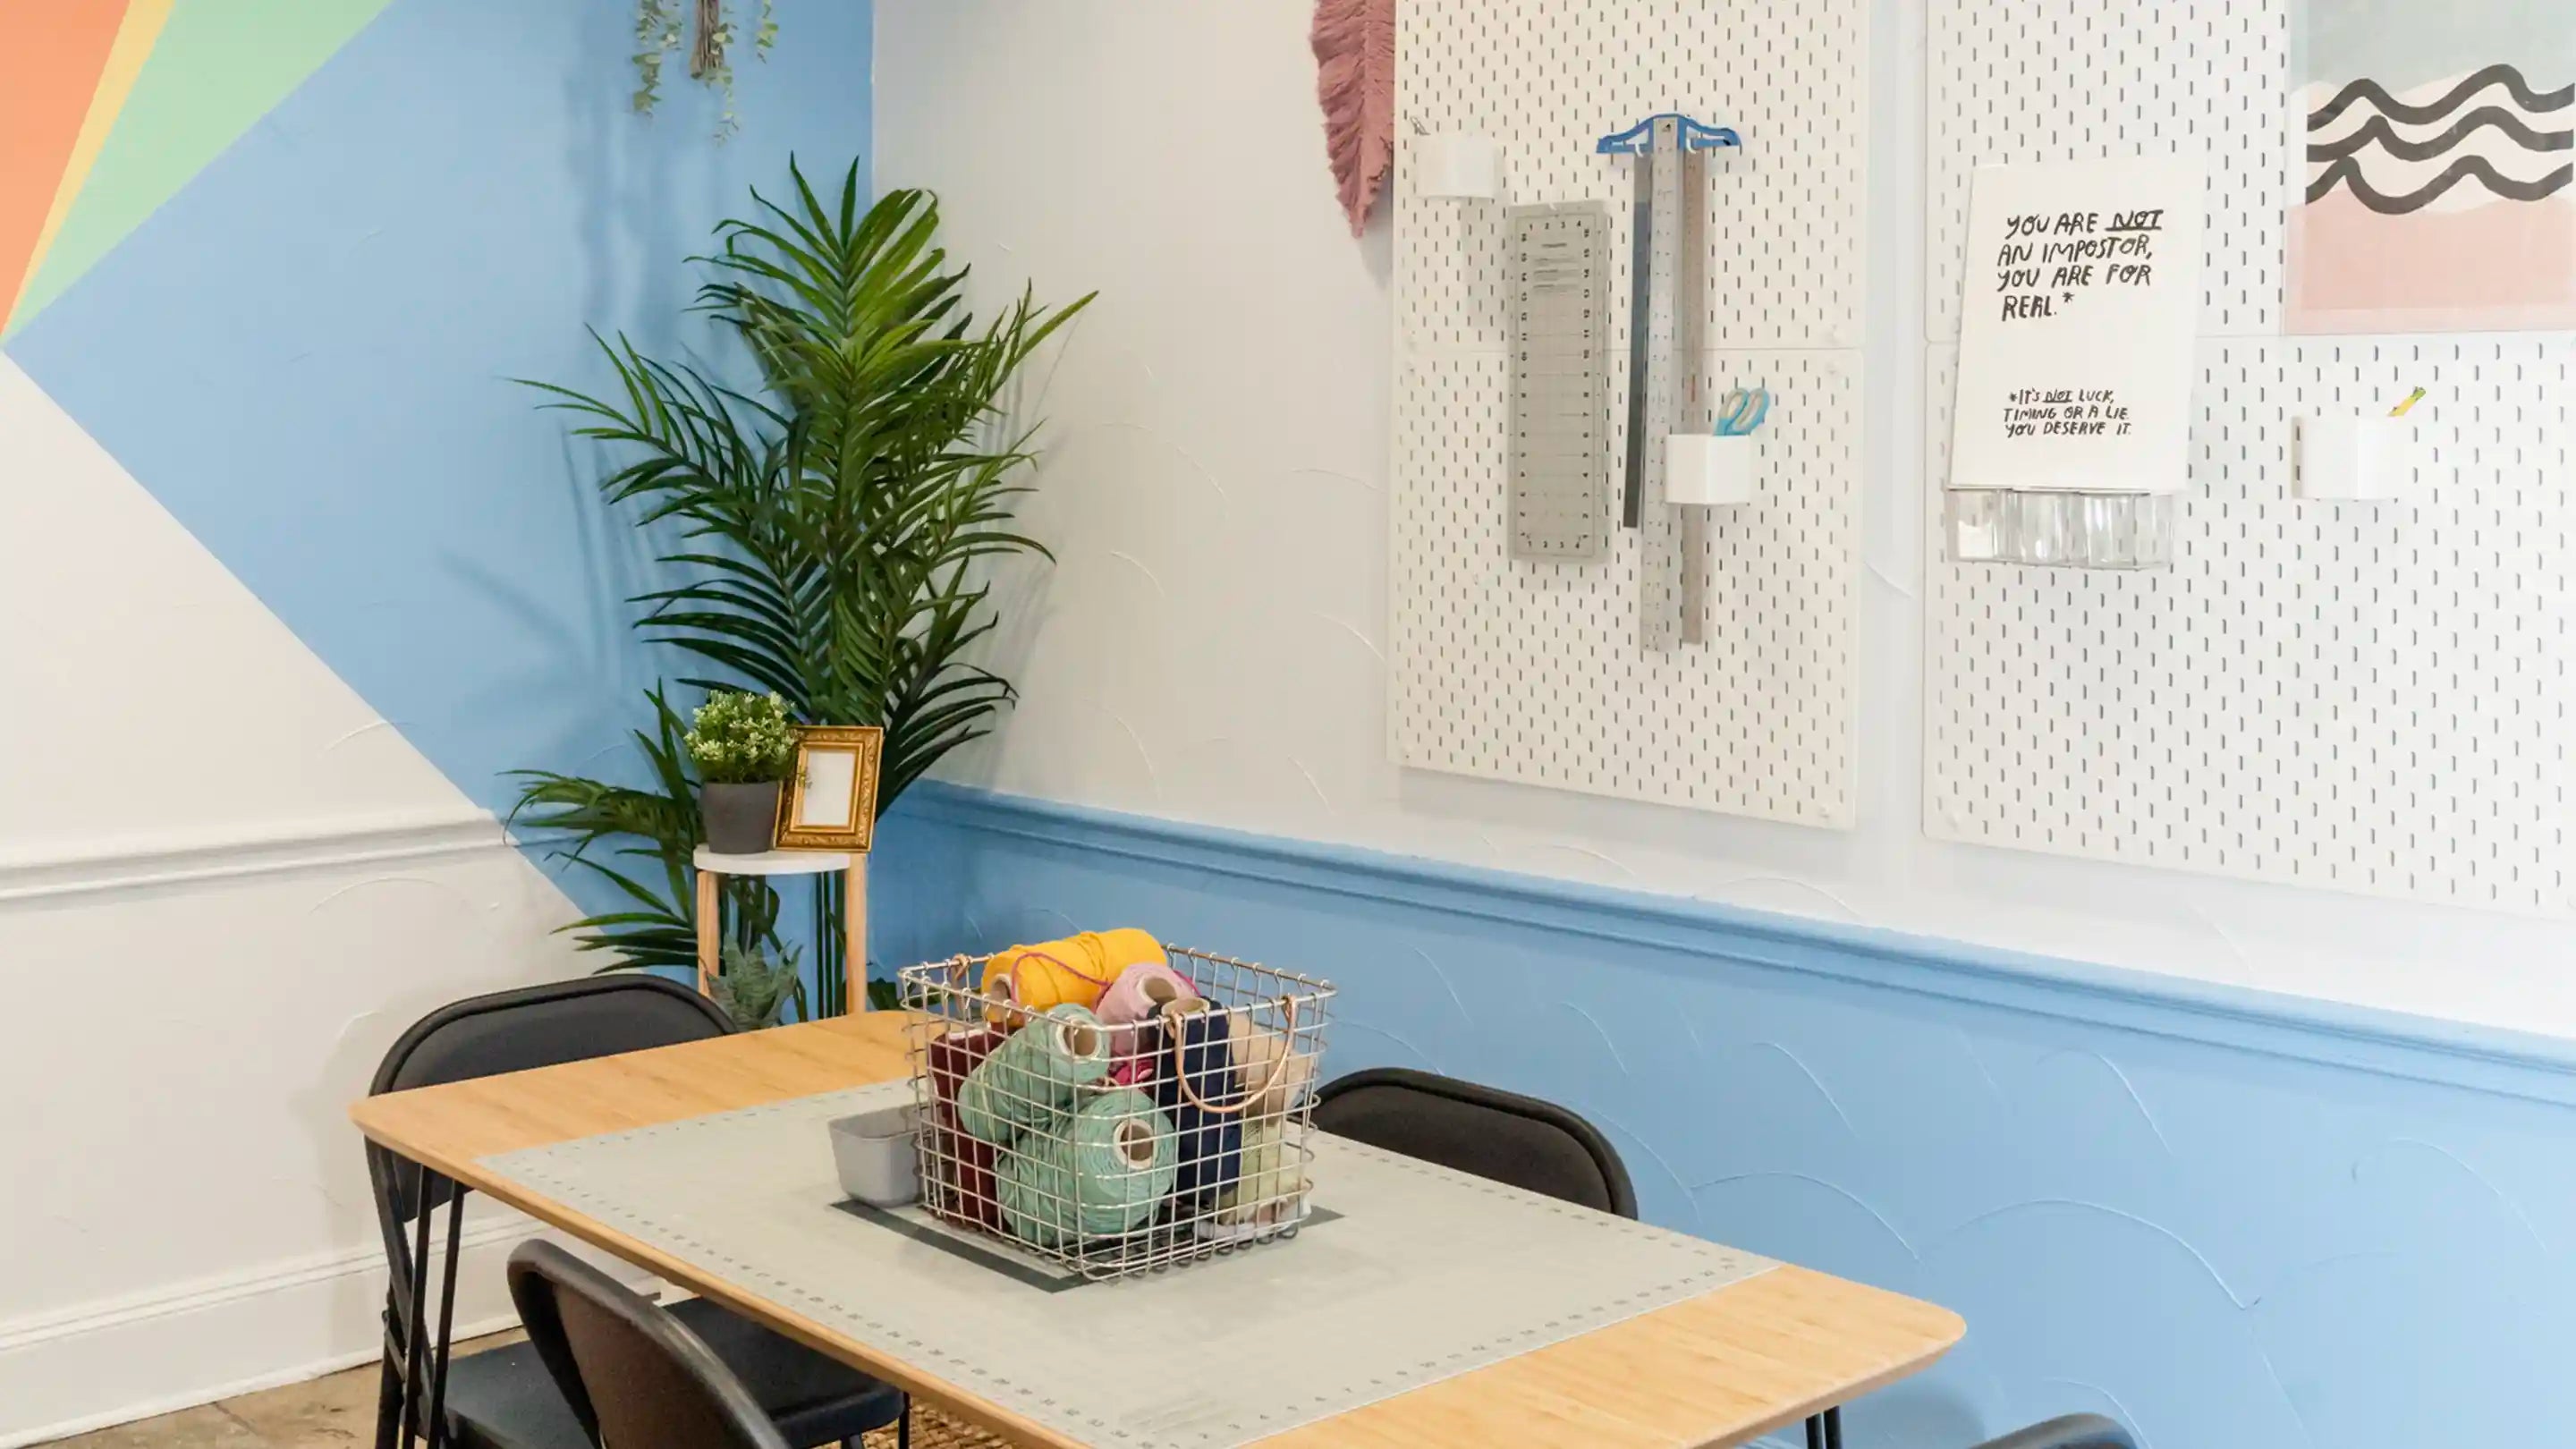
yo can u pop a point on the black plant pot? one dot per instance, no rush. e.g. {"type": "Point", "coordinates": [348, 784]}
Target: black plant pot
{"type": "Point", "coordinates": [739, 819]}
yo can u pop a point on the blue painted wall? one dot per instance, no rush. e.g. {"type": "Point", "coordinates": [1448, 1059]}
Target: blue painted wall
{"type": "Point", "coordinates": [2226, 1218]}
{"type": "Point", "coordinates": [306, 354]}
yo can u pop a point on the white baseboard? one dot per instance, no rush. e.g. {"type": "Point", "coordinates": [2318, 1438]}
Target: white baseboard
{"type": "Point", "coordinates": [130, 1358]}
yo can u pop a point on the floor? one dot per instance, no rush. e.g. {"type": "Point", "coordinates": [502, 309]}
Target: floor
{"type": "Point", "coordinates": [341, 1409]}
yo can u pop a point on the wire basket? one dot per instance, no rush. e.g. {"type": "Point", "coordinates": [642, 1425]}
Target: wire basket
{"type": "Point", "coordinates": [1171, 1126]}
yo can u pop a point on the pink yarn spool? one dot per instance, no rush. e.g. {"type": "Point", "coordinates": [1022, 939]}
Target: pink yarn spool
{"type": "Point", "coordinates": [1136, 996]}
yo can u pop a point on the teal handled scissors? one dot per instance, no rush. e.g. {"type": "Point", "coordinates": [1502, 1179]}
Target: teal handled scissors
{"type": "Point", "coordinates": [1740, 412]}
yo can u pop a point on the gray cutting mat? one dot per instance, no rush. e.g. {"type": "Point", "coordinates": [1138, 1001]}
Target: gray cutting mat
{"type": "Point", "coordinates": [1406, 1274]}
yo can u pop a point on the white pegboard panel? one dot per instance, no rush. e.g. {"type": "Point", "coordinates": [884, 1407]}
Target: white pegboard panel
{"type": "Point", "coordinates": [2368, 697]}
{"type": "Point", "coordinates": [2081, 80]}
{"type": "Point", "coordinates": [1532, 671]}
{"type": "Point", "coordinates": [1547, 78]}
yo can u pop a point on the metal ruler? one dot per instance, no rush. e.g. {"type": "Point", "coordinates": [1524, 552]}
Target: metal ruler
{"type": "Point", "coordinates": [1665, 391]}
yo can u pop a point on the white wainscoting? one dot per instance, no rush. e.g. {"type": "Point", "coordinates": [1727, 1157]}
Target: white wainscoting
{"type": "Point", "coordinates": [187, 1216]}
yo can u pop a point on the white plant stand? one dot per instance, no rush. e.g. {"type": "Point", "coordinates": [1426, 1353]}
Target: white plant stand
{"type": "Point", "coordinates": [712, 867]}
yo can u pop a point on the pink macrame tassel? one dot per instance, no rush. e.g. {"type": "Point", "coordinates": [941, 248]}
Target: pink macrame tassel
{"type": "Point", "coordinates": [1354, 44]}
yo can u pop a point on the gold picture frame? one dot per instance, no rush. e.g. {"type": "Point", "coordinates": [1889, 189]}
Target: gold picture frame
{"type": "Point", "coordinates": [830, 802]}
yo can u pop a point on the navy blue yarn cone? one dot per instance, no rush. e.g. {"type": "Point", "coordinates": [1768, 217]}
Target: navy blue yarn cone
{"type": "Point", "coordinates": [1211, 1143]}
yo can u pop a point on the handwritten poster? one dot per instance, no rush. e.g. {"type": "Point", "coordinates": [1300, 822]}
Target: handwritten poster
{"type": "Point", "coordinates": [2433, 148]}
{"type": "Point", "coordinates": [2075, 349]}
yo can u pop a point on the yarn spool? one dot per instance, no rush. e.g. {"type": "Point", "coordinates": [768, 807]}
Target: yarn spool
{"type": "Point", "coordinates": [1196, 1084]}
{"type": "Point", "coordinates": [1271, 1185]}
{"type": "Point", "coordinates": [1273, 1075]}
{"type": "Point", "coordinates": [1100, 1178]}
{"type": "Point", "coordinates": [1029, 979]}
{"type": "Point", "coordinates": [1138, 995]}
{"type": "Point", "coordinates": [1029, 1082]}
{"type": "Point", "coordinates": [958, 1172]}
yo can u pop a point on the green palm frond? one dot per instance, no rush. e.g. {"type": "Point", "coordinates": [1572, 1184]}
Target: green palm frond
{"type": "Point", "coordinates": [827, 537]}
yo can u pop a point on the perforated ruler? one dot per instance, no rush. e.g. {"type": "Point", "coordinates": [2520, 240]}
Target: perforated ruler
{"type": "Point", "coordinates": [1560, 339]}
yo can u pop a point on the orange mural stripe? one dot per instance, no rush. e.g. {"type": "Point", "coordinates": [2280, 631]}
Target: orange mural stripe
{"type": "Point", "coordinates": [49, 70]}
{"type": "Point", "coordinates": [142, 26]}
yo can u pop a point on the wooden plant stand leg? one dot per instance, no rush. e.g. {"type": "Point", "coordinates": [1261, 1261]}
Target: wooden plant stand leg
{"type": "Point", "coordinates": [854, 955]}
{"type": "Point", "coordinates": [710, 930]}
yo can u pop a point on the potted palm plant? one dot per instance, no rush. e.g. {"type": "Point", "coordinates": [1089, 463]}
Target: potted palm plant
{"type": "Point", "coordinates": [743, 745]}
{"type": "Point", "coordinates": [822, 534]}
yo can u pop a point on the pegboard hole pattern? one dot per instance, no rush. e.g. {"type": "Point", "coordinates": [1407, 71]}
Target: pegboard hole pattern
{"type": "Point", "coordinates": [1548, 78]}
{"type": "Point", "coordinates": [1533, 671]}
{"type": "Point", "coordinates": [2085, 80]}
{"type": "Point", "coordinates": [2366, 697]}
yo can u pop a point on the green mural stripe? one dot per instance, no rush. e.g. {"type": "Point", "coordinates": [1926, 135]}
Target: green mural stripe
{"type": "Point", "coordinates": [215, 72]}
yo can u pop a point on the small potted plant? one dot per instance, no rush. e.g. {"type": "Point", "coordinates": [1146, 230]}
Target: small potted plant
{"type": "Point", "coordinates": [743, 745]}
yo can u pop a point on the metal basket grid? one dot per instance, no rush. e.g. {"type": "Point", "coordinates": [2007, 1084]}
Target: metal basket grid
{"type": "Point", "coordinates": [1084, 1178]}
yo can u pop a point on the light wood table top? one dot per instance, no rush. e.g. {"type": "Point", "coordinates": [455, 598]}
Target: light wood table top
{"type": "Point", "coordinates": [1719, 1369]}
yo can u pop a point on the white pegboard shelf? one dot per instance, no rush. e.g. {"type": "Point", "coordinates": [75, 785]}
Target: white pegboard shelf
{"type": "Point", "coordinates": [1533, 671]}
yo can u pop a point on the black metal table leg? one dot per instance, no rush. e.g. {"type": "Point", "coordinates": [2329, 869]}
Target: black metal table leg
{"type": "Point", "coordinates": [1834, 1427]}
{"type": "Point", "coordinates": [1815, 1431]}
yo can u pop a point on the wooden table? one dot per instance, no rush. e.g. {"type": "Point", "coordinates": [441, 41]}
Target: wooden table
{"type": "Point", "coordinates": [1720, 1369]}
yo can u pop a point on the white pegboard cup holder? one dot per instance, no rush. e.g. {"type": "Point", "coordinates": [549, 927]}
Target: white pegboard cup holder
{"type": "Point", "coordinates": [2354, 457]}
{"type": "Point", "coordinates": [1456, 165]}
{"type": "Point", "coordinates": [1710, 470]}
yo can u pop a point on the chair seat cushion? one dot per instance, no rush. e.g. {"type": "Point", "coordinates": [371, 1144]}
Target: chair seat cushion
{"type": "Point", "coordinates": [815, 1399]}
{"type": "Point", "coordinates": [502, 1398]}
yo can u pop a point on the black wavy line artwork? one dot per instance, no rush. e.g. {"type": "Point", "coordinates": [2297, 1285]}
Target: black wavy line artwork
{"type": "Point", "coordinates": [2377, 129]}
{"type": "Point", "coordinates": [2523, 96]}
{"type": "Point", "coordinates": [2347, 172]}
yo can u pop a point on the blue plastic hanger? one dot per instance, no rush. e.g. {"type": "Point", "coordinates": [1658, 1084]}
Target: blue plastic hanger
{"type": "Point", "coordinates": [1695, 136]}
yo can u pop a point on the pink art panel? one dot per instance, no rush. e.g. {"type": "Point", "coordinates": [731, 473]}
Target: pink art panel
{"type": "Point", "coordinates": [2435, 146]}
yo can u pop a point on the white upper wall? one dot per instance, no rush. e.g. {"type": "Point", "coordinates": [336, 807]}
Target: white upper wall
{"type": "Point", "coordinates": [1211, 644]}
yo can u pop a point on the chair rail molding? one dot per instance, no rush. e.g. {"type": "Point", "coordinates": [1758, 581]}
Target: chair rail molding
{"type": "Point", "coordinates": [170, 858]}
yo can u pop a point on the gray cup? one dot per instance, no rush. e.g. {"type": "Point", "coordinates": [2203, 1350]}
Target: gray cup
{"type": "Point", "coordinates": [875, 1155]}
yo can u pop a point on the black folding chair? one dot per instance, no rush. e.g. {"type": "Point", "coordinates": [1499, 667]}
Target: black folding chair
{"type": "Point", "coordinates": [506, 1398]}
{"type": "Point", "coordinates": [1482, 1131]}
{"type": "Point", "coordinates": [635, 1376]}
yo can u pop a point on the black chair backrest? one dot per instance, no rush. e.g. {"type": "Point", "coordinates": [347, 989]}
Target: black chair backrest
{"type": "Point", "coordinates": [1480, 1130]}
{"type": "Point", "coordinates": [513, 1031]}
{"type": "Point", "coordinates": [636, 1377]}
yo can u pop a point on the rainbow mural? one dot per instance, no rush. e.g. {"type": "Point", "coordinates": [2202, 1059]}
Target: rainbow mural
{"type": "Point", "coordinates": [108, 107]}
